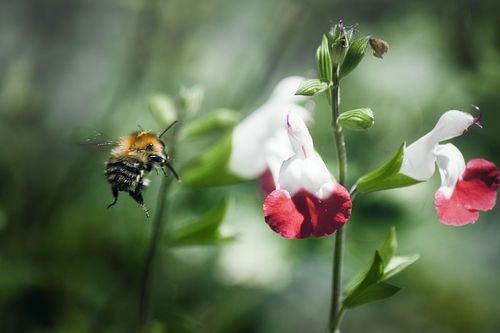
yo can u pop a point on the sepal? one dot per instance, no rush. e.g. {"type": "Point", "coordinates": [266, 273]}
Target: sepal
{"type": "Point", "coordinates": [387, 175]}
{"type": "Point", "coordinates": [324, 60]}
{"type": "Point", "coordinates": [354, 55]}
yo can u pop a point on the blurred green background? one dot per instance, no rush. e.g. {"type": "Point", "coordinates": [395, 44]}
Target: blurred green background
{"type": "Point", "coordinates": [70, 69]}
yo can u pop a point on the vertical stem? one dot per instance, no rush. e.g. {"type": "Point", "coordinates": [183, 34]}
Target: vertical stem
{"type": "Point", "coordinates": [335, 310]}
{"type": "Point", "coordinates": [158, 226]}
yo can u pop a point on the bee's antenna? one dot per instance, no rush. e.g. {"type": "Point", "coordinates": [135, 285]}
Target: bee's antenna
{"type": "Point", "coordinates": [166, 129]}
{"type": "Point", "coordinates": [171, 168]}
{"type": "Point", "coordinates": [140, 127]}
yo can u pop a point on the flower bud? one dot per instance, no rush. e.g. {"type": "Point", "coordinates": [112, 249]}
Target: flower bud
{"type": "Point", "coordinates": [339, 50]}
{"type": "Point", "coordinates": [359, 119]}
{"type": "Point", "coordinates": [335, 32]}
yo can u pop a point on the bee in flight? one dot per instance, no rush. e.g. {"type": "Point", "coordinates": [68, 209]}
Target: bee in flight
{"type": "Point", "coordinates": [136, 155]}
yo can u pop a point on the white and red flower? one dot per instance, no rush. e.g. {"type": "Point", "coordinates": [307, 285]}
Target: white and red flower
{"type": "Point", "coordinates": [465, 188]}
{"type": "Point", "coordinates": [260, 143]}
{"type": "Point", "coordinates": [307, 201]}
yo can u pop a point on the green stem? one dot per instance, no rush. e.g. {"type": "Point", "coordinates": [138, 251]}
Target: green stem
{"type": "Point", "coordinates": [336, 310]}
{"type": "Point", "coordinates": [159, 221]}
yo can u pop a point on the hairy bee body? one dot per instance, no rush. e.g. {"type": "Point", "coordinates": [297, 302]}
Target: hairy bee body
{"type": "Point", "coordinates": [135, 156]}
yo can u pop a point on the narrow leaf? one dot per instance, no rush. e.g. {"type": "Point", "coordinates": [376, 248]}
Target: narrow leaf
{"type": "Point", "coordinates": [387, 175]}
{"type": "Point", "coordinates": [211, 167]}
{"type": "Point", "coordinates": [369, 276]}
{"type": "Point", "coordinates": [202, 231]}
{"type": "Point", "coordinates": [312, 87]}
{"type": "Point", "coordinates": [214, 123]}
{"type": "Point", "coordinates": [324, 60]}
{"type": "Point", "coordinates": [389, 246]}
{"type": "Point", "coordinates": [162, 108]}
{"type": "Point", "coordinates": [372, 293]}
{"type": "Point", "coordinates": [397, 264]}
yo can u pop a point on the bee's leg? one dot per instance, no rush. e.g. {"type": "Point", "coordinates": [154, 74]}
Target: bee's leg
{"type": "Point", "coordinates": [137, 196]}
{"type": "Point", "coordinates": [115, 196]}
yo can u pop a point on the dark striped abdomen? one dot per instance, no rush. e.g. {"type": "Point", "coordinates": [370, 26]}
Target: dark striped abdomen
{"type": "Point", "coordinates": [124, 174]}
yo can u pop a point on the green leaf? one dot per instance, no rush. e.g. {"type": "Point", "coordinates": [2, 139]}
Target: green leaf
{"type": "Point", "coordinates": [389, 246]}
{"type": "Point", "coordinates": [386, 176]}
{"type": "Point", "coordinates": [354, 55]}
{"type": "Point", "coordinates": [211, 167]}
{"type": "Point", "coordinates": [372, 293]}
{"type": "Point", "coordinates": [324, 60]}
{"type": "Point", "coordinates": [215, 122]}
{"type": "Point", "coordinates": [368, 277]}
{"type": "Point", "coordinates": [202, 231]}
{"type": "Point", "coordinates": [397, 264]}
{"type": "Point", "coordinates": [162, 108]}
{"type": "Point", "coordinates": [312, 87]}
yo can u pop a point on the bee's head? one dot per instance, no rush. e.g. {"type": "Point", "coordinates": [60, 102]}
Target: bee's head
{"type": "Point", "coordinates": [150, 145]}
{"type": "Point", "coordinates": [157, 154]}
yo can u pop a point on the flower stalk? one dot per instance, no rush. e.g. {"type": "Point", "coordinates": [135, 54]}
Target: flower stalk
{"type": "Point", "coordinates": [336, 311]}
{"type": "Point", "coordinates": [159, 222]}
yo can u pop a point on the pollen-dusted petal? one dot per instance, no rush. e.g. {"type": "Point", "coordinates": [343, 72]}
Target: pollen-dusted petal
{"type": "Point", "coordinates": [451, 210]}
{"type": "Point", "coordinates": [478, 187]}
{"type": "Point", "coordinates": [303, 214]}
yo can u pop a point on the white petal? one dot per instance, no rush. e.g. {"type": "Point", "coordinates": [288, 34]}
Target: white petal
{"type": "Point", "coordinates": [419, 158]}
{"type": "Point", "coordinates": [309, 174]}
{"type": "Point", "coordinates": [300, 138]}
{"type": "Point", "coordinates": [253, 133]}
{"type": "Point", "coordinates": [451, 165]}
{"type": "Point", "coordinates": [277, 150]}
{"type": "Point", "coordinates": [290, 177]}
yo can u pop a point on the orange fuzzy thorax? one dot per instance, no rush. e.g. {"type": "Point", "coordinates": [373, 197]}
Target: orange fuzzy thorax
{"type": "Point", "coordinates": [137, 142]}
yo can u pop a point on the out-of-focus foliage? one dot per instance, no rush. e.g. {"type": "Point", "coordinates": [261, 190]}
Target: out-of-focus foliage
{"type": "Point", "coordinates": [71, 69]}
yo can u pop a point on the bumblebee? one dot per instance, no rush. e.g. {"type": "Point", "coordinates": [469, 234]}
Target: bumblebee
{"type": "Point", "coordinates": [134, 157]}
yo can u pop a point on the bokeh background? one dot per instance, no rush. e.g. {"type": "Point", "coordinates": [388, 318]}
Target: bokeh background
{"type": "Point", "coordinates": [70, 69]}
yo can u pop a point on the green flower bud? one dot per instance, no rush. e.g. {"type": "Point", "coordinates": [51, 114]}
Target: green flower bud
{"type": "Point", "coordinates": [312, 87]}
{"type": "Point", "coordinates": [339, 50]}
{"type": "Point", "coordinates": [359, 119]}
{"type": "Point", "coordinates": [335, 32]}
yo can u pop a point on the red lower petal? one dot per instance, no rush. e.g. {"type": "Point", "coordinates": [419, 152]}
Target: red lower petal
{"type": "Point", "coordinates": [451, 210]}
{"type": "Point", "coordinates": [305, 214]}
{"type": "Point", "coordinates": [476, 190]}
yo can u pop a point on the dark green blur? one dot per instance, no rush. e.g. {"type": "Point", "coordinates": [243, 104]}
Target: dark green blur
{"type": "Point", "coordinates": [71, 70]}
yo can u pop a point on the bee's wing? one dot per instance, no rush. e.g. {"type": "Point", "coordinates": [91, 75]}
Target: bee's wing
{"type": "Point", "coordinates": [91, 142]}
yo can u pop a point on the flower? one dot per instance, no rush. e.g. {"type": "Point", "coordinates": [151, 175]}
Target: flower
{"type": "Point", "coordinates": [306, 200]}
{"type": "Point", "coordinates": [465, 188]}
{"type": "Point", "coordinates": [260, 143]}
